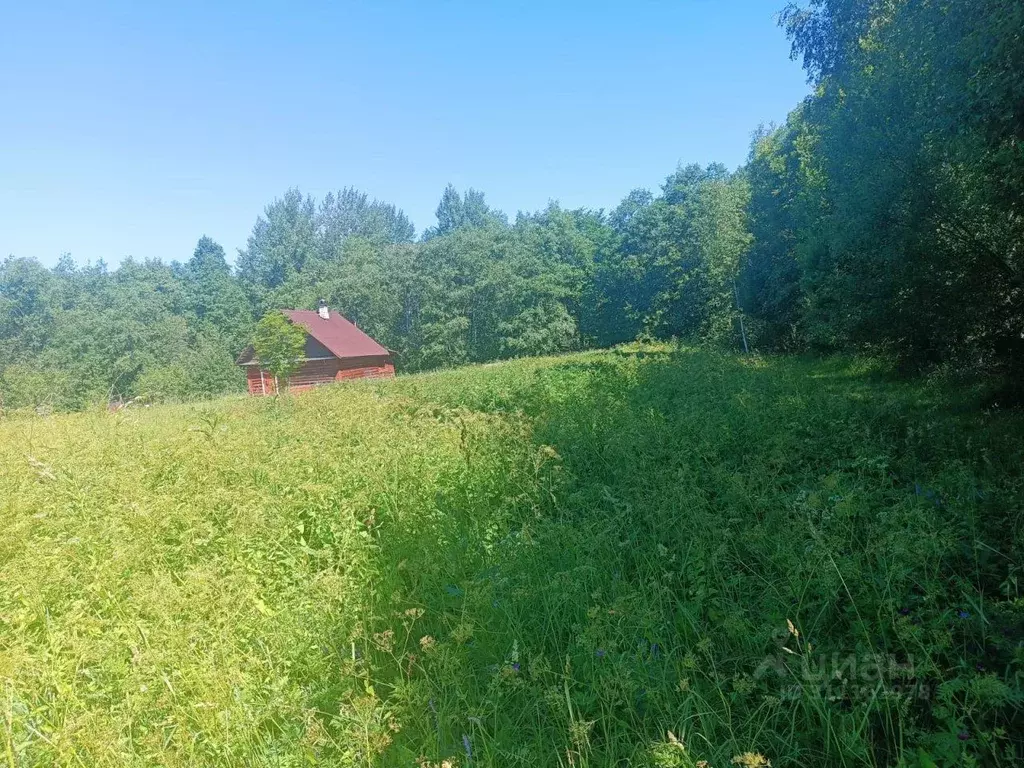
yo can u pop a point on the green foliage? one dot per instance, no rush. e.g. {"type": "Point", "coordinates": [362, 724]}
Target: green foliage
{"type": "Point", "coordinates": [71, 337]}
{"type": "Point", "coordinates": [673, 268]}
{"type": "Point", "coordinates": [889, 211]}
{"type": "Point", "coordinates": [215, 302]}
{"type": "Point", "coordinates": [351, 213]}
{"type": "Point", "coordinates": [651, 556]}
{"type": "Point", "coordinates": [30, 386]}
{"type": "Point", "coordinates": [25, 309]}
{"type": "Point", "coordinates": [781, 217]}
{"type": "Point", "coordinates": [278, 345]}
{"type": "Point", "coordinates": [206, 369]}
{"type": "Point", "coordinates": [283, 242]}
{"type": "Point", "coordinates": [467, 211]}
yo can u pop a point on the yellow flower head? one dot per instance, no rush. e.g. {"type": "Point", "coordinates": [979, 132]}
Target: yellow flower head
{"type": "Point", "coordinates": [752, 760]}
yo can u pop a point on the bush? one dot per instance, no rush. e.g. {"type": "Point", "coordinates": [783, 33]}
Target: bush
{"type": "Point", "coordinates": [38, 387]}
{"type": "Point", "coordinates": [207, 370]}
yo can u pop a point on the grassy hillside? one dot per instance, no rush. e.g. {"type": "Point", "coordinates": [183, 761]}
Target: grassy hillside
{"type": "Point", "coordinates": [651, 557]}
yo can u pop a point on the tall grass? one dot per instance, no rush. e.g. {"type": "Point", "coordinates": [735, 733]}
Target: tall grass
{"type": "Point", "coordinates": [649, 556]}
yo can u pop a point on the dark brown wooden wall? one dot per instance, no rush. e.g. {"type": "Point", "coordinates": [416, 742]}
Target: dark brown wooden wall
{"type": "Point", "coordinates": [313, 373]}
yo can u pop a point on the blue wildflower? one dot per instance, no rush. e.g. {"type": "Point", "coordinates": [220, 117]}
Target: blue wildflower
{"type": "Point", "coordinates": [468, 746]}
{"type": "Point", "coordinates": [515, 667]}
{"type": "Point", "coordinates": [963, 614]}
{"type": "Point", "coordinates": [599, 653]}
{"type": "Point", "coordinates": [963, 735]}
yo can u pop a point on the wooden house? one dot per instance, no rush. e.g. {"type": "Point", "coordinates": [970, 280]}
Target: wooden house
{"type": "Point", "coordinates": [335, 350]}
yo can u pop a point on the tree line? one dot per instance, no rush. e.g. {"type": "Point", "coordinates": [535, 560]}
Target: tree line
{"type": "Point", "coordinates": [886, 213]}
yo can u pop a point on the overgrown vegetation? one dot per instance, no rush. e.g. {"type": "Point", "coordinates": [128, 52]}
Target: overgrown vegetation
{"type": "Point", "coordinates": [887, 215]}
{"type": "Point", "coordinates": [651, 556]}
{"type": "Point", "coordinates": [889, 210]}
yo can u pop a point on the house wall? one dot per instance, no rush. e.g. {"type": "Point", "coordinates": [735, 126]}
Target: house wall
{"type": "Point", "coordinates": [313, 373]}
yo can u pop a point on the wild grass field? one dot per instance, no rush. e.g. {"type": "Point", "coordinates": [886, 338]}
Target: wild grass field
{"type": "Point", "coordinates": [652, 556]}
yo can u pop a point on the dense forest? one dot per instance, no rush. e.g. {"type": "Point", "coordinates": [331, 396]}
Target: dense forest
{"type": "Point", "coordinates": [886, 213]}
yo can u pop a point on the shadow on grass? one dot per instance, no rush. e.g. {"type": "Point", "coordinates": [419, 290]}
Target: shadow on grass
{"type": "Point", "coordinates": [773, 555]}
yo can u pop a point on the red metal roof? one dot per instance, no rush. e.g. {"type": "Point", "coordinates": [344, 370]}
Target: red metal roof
{"type": "Point", "coordinates": [340, 336]}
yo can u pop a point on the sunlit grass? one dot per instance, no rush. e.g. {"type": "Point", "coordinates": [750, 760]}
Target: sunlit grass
{"type": "Point", "coordinates": [584, 560]}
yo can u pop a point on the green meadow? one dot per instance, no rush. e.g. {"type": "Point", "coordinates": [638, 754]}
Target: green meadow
{"type": "Point", "coordinates": [651, 556]}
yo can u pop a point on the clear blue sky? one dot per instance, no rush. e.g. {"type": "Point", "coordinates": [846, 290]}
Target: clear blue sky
{"type": "Point", "coordinates": [129, 129]}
